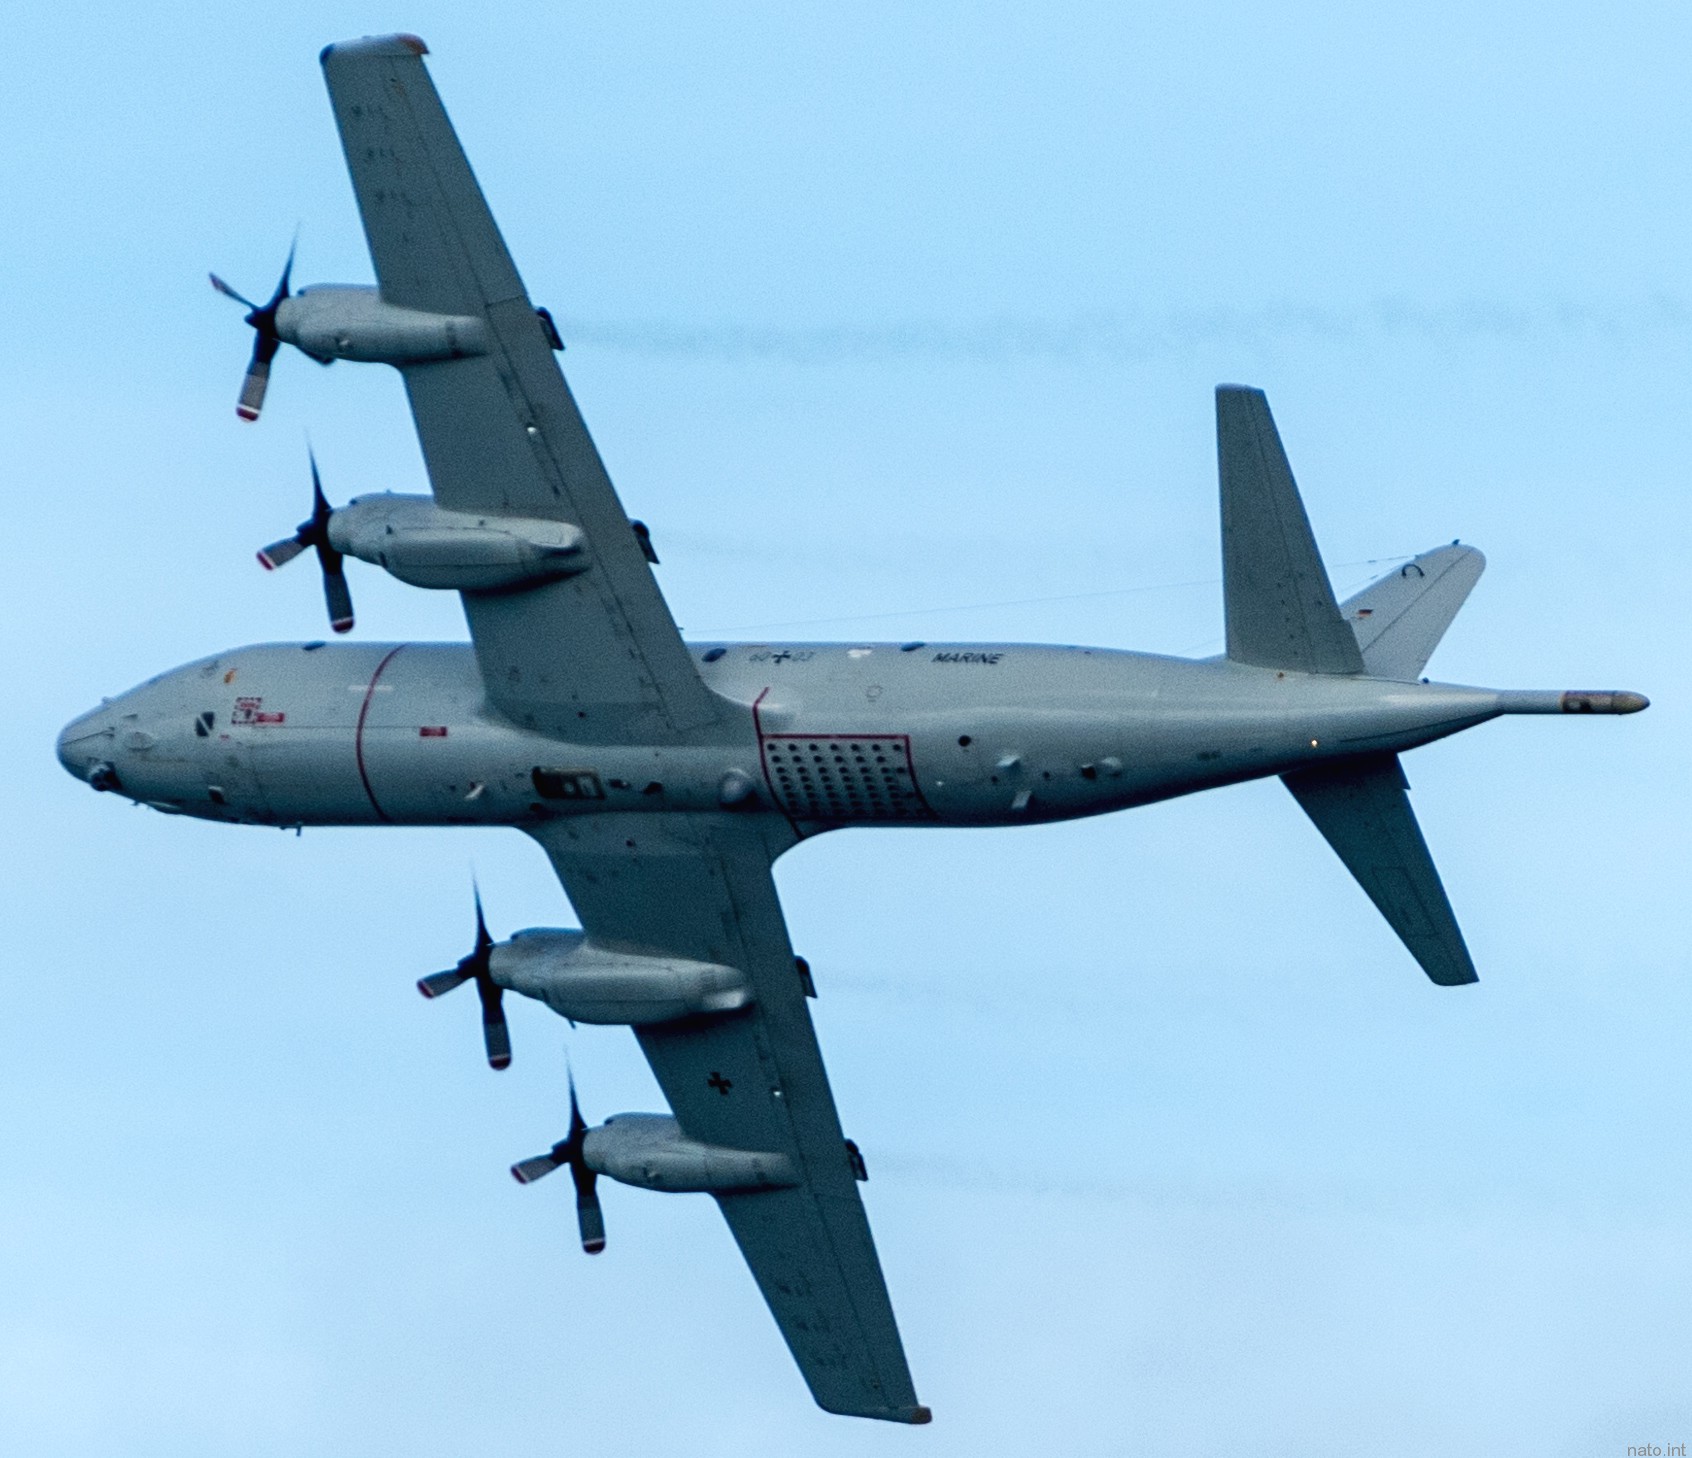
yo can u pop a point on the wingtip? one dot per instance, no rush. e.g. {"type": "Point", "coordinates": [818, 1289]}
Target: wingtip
{"type": "Point", "coordinates": [400, 44]}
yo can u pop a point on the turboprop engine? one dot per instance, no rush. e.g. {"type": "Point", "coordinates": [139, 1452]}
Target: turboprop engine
{"type": "Point", "coordinates": [352, 321]}
{"type": "Point", "coordinates": [651, 1152]}
{"type": "Point", "coordinates": [585, 982]}
{"type": "Point", "coordinates": [588, 983]}
{"type": "Point", "coordinates": [427, 546]}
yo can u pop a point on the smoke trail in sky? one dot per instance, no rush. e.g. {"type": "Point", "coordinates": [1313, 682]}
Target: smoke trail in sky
{"type": "Point", "coordinates": [1125, 337]}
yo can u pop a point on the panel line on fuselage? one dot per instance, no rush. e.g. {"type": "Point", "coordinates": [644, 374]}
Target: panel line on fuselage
{"type": "Point", "coordinates": [358, 733]}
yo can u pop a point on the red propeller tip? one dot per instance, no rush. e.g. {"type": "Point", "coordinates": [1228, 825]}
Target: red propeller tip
{"type": "Point", "coordinates": [593, 1247]}
{"type": "Point", "coordinates": [500, 1060]}
{"type": "Point", "coordinates": [246, 412]}
{"type": "Point", "coordinates": [342, 625]}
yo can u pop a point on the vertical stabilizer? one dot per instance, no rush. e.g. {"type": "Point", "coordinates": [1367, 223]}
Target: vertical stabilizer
{"type": "Point", "coordinates": [1362, 808]}
{"type": "Point", "coordinates": [1400, 619]}
{"type": "Point", "coordinates": [1280, 606]}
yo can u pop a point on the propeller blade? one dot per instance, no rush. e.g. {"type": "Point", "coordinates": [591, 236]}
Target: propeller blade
{"type": "Point", "coordinates": [572, 1150]}
{"type": "Point", "coordinates": [578, 1125]}
{"type": "Point", "coordinates": [527, 1171]}
{"type": "Point", "coordinates": [263, 319]}
{"type": "Point", "coordinates": [590, 1219]}
{"type": "Point", "coordinates": [438, 982]}
{"type": "Point", "coordinates": [280, 554]}
{"type": "Point", "coordinates": [321, 511]}
{"type": "Point", "coordinates": [256, 381]}
{"type": "Point", "coordinates": [230, 293]}
{"type": "Point", "coordinates": [484, 942]}
{"type": "Point", "coordinates": [495, 1033]}
{"type": "Point", "coordinates": [336, 594]}
{"type": "Point", "coordinates": [287, 273]}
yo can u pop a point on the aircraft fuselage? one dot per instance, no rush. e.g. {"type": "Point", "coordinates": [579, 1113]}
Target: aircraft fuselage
{"type": "Point", "coordinates": [825, 734]}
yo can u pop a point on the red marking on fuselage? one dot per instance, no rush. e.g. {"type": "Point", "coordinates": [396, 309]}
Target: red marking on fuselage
{"type": "Point", "coordinates": [250, 710]}
{"type": "Point", "coordinates": [358, 737]}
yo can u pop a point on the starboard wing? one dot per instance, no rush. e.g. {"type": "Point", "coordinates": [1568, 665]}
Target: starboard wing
{"type": "Point", "coordinates": [597, 652]}
{"type": "Point", "coordinates": [700, 887]}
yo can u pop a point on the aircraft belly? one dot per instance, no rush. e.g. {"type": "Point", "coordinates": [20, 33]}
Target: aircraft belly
{"type": "Point", "coordinates": [467, 773]}
{"type": "Point", "coordinates": [310, 777]}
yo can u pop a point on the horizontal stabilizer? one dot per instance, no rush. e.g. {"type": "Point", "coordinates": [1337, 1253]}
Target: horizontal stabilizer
{"type": "Point", "coordinates": [1400, 619]}
{"type": "Point", "coordinates": [1363, 809]}
{"type": "Point", "coordinates": [1279, 604]}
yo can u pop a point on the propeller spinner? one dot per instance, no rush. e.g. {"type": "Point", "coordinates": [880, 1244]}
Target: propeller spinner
{"type": "Point", "coordinates": [314, 532]}
{"type": "Point", "coordinates": [571, 1151]}
{"type": "Point", "coordinates": [265, 343]}
{"type": "Point", "coordinates": [477, 967]}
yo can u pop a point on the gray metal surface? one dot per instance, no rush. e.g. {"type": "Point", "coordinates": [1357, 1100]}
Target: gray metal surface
{"type": "Point", "coordinates": [699, 887]}
{"type": "Point", "coordinates": [597, 653]}
{"type": "Point", "coordinates": [1362, 808]}
{"type": "Point", "coordinates": [1399, 620]}
{"type": "Point", "coordinates": [1280, 607]}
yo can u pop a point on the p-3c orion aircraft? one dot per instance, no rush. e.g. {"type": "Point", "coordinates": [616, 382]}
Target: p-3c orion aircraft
{"type": "Point", "coordinates": [664, 778]}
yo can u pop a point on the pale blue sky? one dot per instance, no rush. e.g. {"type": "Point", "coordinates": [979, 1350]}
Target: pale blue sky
{"type": "Point", "coordinates": [881, 309]}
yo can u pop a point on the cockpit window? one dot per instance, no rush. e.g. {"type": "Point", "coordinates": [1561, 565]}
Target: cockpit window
{"type": "Point", "coordinates": [203, 724]}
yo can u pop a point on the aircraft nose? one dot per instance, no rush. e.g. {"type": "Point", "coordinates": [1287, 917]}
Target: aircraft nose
{"type": "Point", "coordinates": [85, 749]}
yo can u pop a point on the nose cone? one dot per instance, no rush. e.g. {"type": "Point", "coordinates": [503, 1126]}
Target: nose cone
{"type": "Point", "coordinates": [85, 746]}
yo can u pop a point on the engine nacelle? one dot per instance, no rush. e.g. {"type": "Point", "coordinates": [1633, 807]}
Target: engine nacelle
{"type": "Point", "coordinates": [650, 1150]}
{"type": "Point", "coordinates": [351, 321]}
{"type": "Point", "coordinates": [591, 984]}
{"type": "Point", "coordinates": [428, 546]}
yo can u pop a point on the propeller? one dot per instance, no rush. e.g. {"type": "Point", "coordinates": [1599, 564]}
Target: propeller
{"type": "Point", "coordinates": [314, 532]}
{"type": "Point", "coordinates": [476, 967]}
{"type": "Point", "coordinates": [571, 1150]}
{"type": "Point", "coordinates": [267, 341]}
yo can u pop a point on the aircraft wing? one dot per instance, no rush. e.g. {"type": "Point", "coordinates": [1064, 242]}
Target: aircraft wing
{"type": "Point", "coordinates": [598, 651]}
{"type": "Point", "coordinates": [700, 887]}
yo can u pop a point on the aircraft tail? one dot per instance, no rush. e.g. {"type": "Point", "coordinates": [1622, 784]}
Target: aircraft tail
{"type": "Point", "coordinates": [1400, 619]}
{"type": "Point", "coordinates": [1281, 614]}
{"type": "Point", "coordinates": [1363, 810]}
{"type": "Point", "coordinates": [1279, 603]}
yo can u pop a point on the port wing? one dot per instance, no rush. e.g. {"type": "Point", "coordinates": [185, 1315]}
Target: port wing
{"type": "Point", "coordinates": [700, 887]}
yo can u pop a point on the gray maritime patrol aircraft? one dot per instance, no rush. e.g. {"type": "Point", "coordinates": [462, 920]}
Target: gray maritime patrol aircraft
{"type": "Point", "coordinates": [664, 778]}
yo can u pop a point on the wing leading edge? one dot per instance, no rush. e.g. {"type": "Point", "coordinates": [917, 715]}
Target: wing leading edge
{"type": "Point", "coordinates": [700, 887]}
{"type": "Point", "coordinates": [499, 430]}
